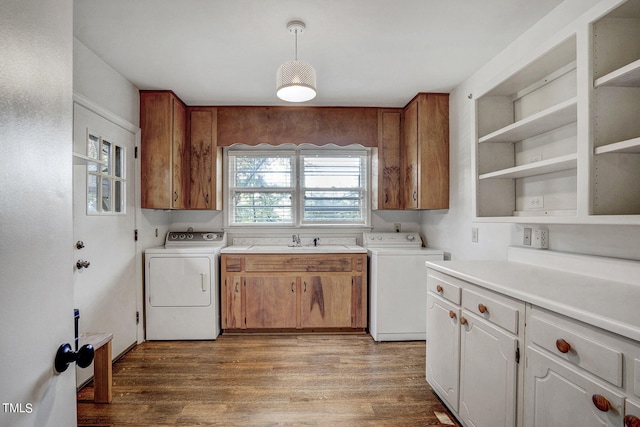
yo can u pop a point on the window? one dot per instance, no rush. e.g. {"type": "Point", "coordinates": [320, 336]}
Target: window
{"type": "Point", "coordinates": [298, 187]}
{"type": "Point", "coordinates": [105, 177]}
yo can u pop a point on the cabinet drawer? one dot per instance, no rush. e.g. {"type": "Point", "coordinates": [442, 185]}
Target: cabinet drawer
{"type": "Point", "coordinates": [303, 263]}
{"type": "Point", "coordinates": [445, 286]}
{"type": "Point", "coordinates": [493, 307]}
{"type": "Point", "coordinates": [578, 344]}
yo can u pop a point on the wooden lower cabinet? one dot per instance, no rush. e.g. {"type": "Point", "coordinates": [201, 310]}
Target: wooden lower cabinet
{"type": "Point", "coordinates": [294, 292]}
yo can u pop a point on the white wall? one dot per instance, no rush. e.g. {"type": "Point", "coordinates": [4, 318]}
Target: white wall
{"type": "Point", "coordinates": [36, 291]}
{"type": "Point", "coordinates": [451, 230]}
{"type": "Point", "coordinates": [96, 80]}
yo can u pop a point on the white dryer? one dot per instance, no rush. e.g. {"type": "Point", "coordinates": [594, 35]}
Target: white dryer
{"type": "Point", "coordinates": [182, 291]}
{"type": "Point", "coordinates": [398, 285]}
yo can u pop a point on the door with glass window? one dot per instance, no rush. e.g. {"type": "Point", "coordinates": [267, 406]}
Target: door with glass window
{"type": "Point", "coordinates": [103, 229]}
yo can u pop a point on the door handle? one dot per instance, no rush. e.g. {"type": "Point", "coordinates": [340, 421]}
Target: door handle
{"type": "Point", "coordinates": [65, 356]}
{"type": "Point", "coordinates": [203, 277]}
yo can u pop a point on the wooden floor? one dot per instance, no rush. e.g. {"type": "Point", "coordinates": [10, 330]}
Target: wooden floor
{"type": "Point", "coordinates": [292, 380]}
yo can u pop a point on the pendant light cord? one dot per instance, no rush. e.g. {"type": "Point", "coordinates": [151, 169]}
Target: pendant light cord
{"type": "Point", "coordinates": [296, 33]}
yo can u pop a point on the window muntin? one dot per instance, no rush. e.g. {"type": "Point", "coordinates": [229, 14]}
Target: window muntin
{"type": "Point", "coordinates": [333, 187]}
{"type": "Point", "coordinates": [261, 187]}
{"type": "Point", "coordinates": [106, 181]}
{"type": "Point", "coordinates": [298, 187]}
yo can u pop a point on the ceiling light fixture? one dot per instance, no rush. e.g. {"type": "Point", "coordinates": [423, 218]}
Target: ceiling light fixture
{"type": "Point", "coordinates": [296, 80]}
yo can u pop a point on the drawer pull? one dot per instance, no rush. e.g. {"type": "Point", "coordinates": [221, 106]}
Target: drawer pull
{"type": "Point", "coordinates": [439, 289]}
{"type": "Point", "coordinates": [601, 402]}
{"type": "Point", "coordinates": [452, 314]}
{"type": "Point", "coordinates": [563, 346]}
{"type": "Point", "coordinates": [482, 308]}
{"type": "Point", "coordinates": [631, 421]}
{"type": "Point", "coordinates": [463, 320]}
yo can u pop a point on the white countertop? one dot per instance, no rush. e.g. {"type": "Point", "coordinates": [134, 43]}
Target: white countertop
{"type": "Point", "coordinates": [609, 304]}
{"type": "Point", "coordinates": [285, 249]}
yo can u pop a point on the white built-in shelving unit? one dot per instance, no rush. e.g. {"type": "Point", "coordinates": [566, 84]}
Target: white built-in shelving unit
{"type": "Point", "coordinates": [616, 112]}
{"type": "Point", "coordinates": [558, 136]}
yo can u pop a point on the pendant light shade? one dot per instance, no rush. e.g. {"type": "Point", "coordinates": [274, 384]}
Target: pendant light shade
{"type": "Point", "coordinates": [296, 80]}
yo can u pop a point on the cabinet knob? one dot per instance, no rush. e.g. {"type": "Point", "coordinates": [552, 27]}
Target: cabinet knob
{"type": "Point", "coordinates": [175, 196]}
{"type": "Point", "coordinates": [439, 289]}
{"type": "Point", "coordinates": [452, 314]}
{"type": "Point", "coordinates": [463, 320]}
{"type": "Point", "coordinates": [563, 346]}
{"type": "Point", "coordinates": [482, 308]}
{"type": "Point", "coordinates": [600, 402]}
{"type": "Point", "coordinates": [236, 287]}
{"type": "Point", "coordinates": [631, 421]}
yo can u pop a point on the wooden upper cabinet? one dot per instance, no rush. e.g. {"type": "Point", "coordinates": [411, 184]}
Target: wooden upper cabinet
{"type": "Point", "coordinates": [164, 151]}
{"type": "Point", "coordinates": [206, 160]}
{"type": "Point", "coordinates": [387, 162]}
{"type": "Point", "coordinates": [425, 147]}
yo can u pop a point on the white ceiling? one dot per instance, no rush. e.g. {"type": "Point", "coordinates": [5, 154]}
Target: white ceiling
{"type": "Point", "coordinates": [365, 52]}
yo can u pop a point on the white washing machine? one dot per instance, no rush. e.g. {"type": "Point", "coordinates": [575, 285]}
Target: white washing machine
{"type": "Point", "coordinates": [182, 289]}
{"type": "Point", "coordinates": [398, 285]}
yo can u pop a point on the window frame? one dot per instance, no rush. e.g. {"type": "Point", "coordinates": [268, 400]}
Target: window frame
{"type": "Point", "coordinates": [297, 191]}
{"type": "Point", "coordinates": [100, 175]}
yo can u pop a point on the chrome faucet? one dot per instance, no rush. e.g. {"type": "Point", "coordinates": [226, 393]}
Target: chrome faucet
{"type": "Point", "coordinates": [296, 239]}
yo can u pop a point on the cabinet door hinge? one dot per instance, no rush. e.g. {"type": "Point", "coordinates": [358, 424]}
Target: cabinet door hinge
{"type": "Point", "coordinates": [137, 317]}
{"type": "Point", "coordinates": [135, 235]}
{"type": "Point", "coordinates": [517, 354]}
{"type": "Point", "coordinates": [135, 153]}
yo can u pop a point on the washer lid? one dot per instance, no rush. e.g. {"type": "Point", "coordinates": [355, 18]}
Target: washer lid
{"type": "Point", "coordinates": [391, 240]}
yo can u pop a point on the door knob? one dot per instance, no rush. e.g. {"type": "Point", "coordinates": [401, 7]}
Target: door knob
{"type": "Point", "coordinates": [66, 355]}
{"type": "Point", "coordinates": [80, 264]}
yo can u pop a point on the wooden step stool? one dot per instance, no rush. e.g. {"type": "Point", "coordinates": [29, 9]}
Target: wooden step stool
{"type": "Point", "coordinates": [102, 372]}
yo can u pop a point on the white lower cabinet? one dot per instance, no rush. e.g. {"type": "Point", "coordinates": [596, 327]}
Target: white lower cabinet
{"type": "Point", "coordinates": [569, 373]}
{"type": "Point", "coordinates": [472, 352]}
{"type": "Point", "coordinates": [488, 374]}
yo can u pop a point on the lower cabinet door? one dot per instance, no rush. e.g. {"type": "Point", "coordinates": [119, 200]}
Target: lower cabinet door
{"type": "Point", "coordinates": [558, 394]}
{"type": "Point", "coordinates": [270, 302]}
{"type": "Point", "coordinates": [443, 349]}
{"type": "Point", "coordinates": [488, 374]}
{"type": "Point", "coordinates": [326, 301]}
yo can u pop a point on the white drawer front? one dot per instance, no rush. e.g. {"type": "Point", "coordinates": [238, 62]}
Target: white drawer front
{"type": "Point", "coordinates": [584, 348]}
{"type": "Point", "coordinates": [493, 307]}
{"type": "Point", "coordinates": [445, 286]}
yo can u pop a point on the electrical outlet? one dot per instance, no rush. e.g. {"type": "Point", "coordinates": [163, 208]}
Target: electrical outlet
{"type": "Point", "coordinates": [540, 238]}
{"type": "Point", "coordinates": [526, 239]}
{"type": "Point", "coordinates": [531, 203]}
{"type": "Point", "coordinates": [396, 227]}
{"type": "Point", "coordinates": [536, 158]}
{"type": "Point", "coordinates": [474, 234]}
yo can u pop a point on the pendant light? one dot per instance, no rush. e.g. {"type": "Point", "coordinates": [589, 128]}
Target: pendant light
{"type": "Point", "coordinates": [296, 80]}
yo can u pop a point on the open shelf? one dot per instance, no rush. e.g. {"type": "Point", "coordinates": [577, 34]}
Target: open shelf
{"type": "Point", "coordinates": [544, 121]}
{"type": "Point", "coordinates": [629, 146]}
{"type": "Point", "coordinates": [556, 164]}
{"type": "Point", "coordinates": [627, 76]}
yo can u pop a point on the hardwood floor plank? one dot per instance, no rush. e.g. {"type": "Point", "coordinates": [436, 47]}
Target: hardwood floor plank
{"type": "Point", "coordinates": [297, 380]}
